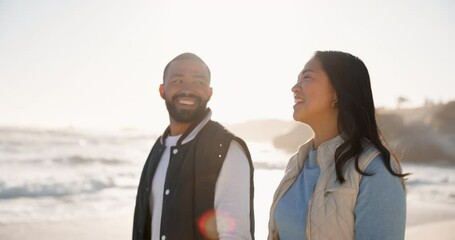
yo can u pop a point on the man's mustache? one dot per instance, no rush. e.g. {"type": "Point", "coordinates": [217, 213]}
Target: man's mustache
{"type": "Point", "coordinates": [188, 95]}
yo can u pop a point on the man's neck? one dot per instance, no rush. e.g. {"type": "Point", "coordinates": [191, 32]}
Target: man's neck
{"type": "Point", "coordinates": [177, 128]}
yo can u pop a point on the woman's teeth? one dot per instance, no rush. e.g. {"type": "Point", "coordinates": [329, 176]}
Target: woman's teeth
{"type": "Point", "coordinates": [299, 100]}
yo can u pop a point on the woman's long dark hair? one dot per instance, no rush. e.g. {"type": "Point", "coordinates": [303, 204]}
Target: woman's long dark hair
{"type": "Point", "coordinates": [356, 118]}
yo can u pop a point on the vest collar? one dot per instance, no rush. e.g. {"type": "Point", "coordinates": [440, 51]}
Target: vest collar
{"type": "Point", "coordinates": [191, 132]}
{"type": "Point", "coordinates": [326, 151]}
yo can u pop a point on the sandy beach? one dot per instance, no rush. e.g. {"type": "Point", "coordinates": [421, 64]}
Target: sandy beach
{"type": "Point", "coordinates": [71, 230]}
{"type": "Point", "coordinates": [425, 220]}
{"type": "Point", "coordinates": [423, 223]}
{"type": "Point", "coordinates": [430, 221]}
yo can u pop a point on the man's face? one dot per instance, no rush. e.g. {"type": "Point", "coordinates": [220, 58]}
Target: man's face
{"type": "Point", "coordinates": [186, 90]}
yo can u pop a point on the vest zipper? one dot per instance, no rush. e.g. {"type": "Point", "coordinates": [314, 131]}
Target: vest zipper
{"type": "Point", "coordinates": [308, 210]}
{"type": "Point", "coordinates": [308, 223]}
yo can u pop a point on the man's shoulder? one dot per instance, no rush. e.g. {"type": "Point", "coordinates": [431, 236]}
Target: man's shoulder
{"type": "Point", "coordinates": [223, 130]}
{"type": "Point", "coordinates": [214, 127]}
{"type": "Point", "coordinates": [215, 133]}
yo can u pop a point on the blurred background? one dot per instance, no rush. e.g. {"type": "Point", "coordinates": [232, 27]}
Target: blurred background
{"type": "Point", "coordinates": [80, 109]}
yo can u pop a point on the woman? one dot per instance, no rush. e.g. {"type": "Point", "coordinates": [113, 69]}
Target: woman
{"type": "Point", "coordinates": [343, 183]}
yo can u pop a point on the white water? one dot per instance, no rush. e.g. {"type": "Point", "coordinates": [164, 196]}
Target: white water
{"type": "Point", "coordinates": [73, 174]}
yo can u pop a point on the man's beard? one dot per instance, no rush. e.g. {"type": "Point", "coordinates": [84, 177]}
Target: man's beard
{"type": "Point", "coordinates": [184, 115]}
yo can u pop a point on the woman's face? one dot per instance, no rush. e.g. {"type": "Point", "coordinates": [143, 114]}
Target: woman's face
{"type": "Point", "coordinates": [314, 95]}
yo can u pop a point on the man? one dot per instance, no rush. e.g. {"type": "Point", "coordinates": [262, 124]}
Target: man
{"type": "Point", "coordinates": [197, 182]}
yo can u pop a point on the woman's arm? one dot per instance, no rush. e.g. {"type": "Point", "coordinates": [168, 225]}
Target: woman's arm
{"type": "Point", "coordinates": [380, 211]}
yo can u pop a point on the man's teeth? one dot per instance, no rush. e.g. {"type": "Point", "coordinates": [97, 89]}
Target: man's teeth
{"type": "Point", "coordinates": [186, 102]}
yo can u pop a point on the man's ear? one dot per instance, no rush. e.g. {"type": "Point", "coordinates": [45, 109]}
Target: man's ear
{"type": "Point", "coordinates": [162, 91]}
{"type": "Point", "coordinates": [210, 93]}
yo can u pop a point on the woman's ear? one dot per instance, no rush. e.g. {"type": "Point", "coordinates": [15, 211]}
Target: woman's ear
{"type": "Point", "coordinates": [335, 100]}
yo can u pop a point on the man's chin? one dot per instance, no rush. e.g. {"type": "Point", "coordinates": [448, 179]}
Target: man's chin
{"type": "Point", "coordinates": [186, 116]}
{"type": "Point", "coordinates": [187, 109]}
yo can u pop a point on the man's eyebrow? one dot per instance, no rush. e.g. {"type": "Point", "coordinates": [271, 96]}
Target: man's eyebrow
{"type": "Point", "coordinates": [200, 76]}
{"type": "Point", "coordinates": [177, 75]}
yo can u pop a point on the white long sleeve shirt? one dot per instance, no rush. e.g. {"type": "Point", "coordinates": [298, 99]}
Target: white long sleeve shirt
{"type": "Point", "coordinates": [232, 190]}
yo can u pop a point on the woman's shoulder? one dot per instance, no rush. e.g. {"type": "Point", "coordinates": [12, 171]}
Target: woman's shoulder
{"type": "Point", "coordinates": [380, 176]}
{"type": "Point", "coordinates": [367, 156]}
{"type": "Point", "coordinates": [377, 164]}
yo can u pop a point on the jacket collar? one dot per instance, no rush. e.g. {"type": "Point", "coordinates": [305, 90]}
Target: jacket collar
{"type": "Point", "coordinates": [192, 132]}
{"type": "Point", "coordinates": [325, 152]}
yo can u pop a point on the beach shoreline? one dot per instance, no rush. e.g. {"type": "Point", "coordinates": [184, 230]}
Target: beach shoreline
{"type": "Point", "coordinates": [441, 230]}
{"type": "Point", "coordinates": [425, 220]}
{"type": "Point", "coordinates": [121, 228]}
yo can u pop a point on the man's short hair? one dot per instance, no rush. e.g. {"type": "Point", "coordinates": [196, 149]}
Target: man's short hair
{"type": "Point", "coordinates": [185, 56]}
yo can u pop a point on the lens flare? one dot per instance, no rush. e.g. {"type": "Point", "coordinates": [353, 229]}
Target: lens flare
{"type": "Point", "coordinates": [209, 224]}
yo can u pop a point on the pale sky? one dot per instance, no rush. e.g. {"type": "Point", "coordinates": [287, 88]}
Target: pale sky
{"type": "Point", "coordinates": [97, 63]}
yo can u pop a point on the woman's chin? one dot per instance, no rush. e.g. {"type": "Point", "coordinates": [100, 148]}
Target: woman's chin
{"type": "Point", "coordinates": [297, 117]}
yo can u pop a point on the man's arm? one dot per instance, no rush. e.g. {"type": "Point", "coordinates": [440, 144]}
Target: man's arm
{"type": "Point", "coordinates": [232, 196]}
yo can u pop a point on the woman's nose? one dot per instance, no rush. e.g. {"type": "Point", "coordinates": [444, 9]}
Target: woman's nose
{"type": "Point", "coordinates": [296, 88]}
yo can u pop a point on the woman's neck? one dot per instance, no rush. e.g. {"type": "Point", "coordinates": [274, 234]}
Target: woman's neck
{"type": "Point", "coordinates": [324, 133]}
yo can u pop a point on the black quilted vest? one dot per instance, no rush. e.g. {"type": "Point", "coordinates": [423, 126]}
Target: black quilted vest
{"type": "Point", "coordinates": [189, 186]}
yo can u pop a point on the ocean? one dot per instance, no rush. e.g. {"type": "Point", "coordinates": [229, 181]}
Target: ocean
{"type": "Point", "coordinates": [69, 174]}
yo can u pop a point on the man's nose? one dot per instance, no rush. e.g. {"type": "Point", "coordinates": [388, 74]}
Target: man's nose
{"type": "Point", "coordinates": [187, 87]}
{"type": "Point", "coordinates": [190, 85]}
